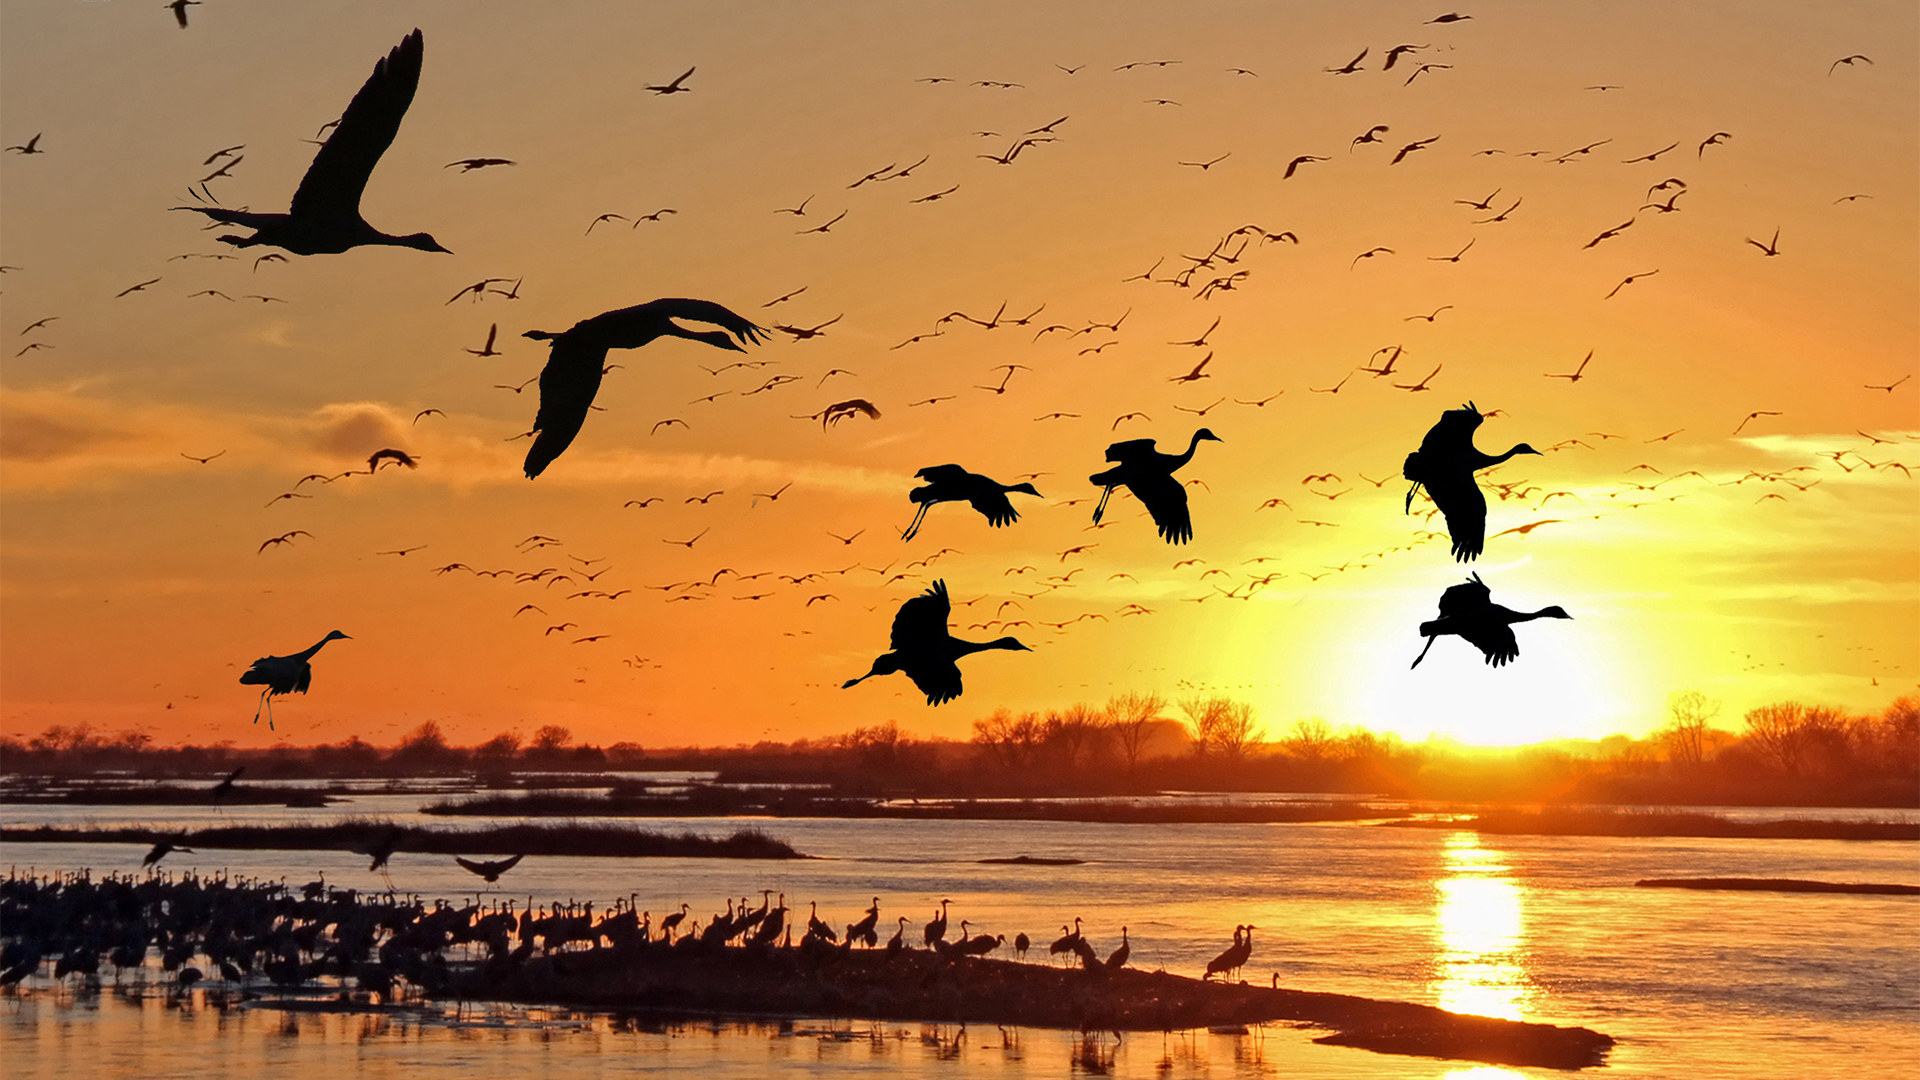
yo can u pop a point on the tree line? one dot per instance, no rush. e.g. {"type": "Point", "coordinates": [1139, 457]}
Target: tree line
{"type": "Point", "coordinates": [1136, 743]}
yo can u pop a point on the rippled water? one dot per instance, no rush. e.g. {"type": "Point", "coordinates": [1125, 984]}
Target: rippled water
{"type": "Point", "coordinates": [1703, 984]}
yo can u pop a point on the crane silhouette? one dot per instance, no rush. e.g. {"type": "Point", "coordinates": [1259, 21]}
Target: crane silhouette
{"type": "Point", "coordinates": [922, 648]}
{"type": "Point", "coordinates": [936, 928]}
{"type": "Point", "coordinates": [1235, 955]}
{"type": "Point", "coordinates": [324, 217]}
{"type": "Point", "coordinates": [951, 483]}
{"type": "Point", "coordinates": [1445, 463]}
{"type": "Point", "coordinates": [1148, 473]}
{"type": "Point", "coordinates": [283, 675]}
{"type": "Point", "coordinates": [578, 359]}
{"type": "Point", "coordinates": [490, 870]}
{"type": "Point", "coordinates": [1469, 611]}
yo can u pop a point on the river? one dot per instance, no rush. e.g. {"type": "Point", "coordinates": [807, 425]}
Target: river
{"type": "Point", "coordinates": [1706, 985]}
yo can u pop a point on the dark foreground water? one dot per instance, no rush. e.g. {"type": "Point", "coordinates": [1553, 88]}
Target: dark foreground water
{"type": "Point", "coordinates": [1703, 985]}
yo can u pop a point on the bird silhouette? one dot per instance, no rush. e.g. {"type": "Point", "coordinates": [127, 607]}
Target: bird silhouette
{"type": "Point", "coordinates": [489, 870]}
{"type": "Point", "coordinates": [575, 366]}
{"type": "Point", "coordinates": [1468, 610]}
{"type": "Point", "coordinates": [951, 483]}
{"type": "Point", "coordinates": [283, 675]}
{"type": "Point", "coordinates": [1148, 474]}
{"type": "Point", "coordinates": [1445, 463]}
{"type": "Point", "coordinates": [674, 87]}
{"type": "Point", "coordinates": [226, 787]}
{"type": "Point", "coordinates": [324, 217]}
{"type": "Point", "coordinates": [925, 652]}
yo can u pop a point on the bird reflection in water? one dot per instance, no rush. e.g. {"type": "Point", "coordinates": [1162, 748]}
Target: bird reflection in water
{"type": "Point", "coordinates": [1479, 968]}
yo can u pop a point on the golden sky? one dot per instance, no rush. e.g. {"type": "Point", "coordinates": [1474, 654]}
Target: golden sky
{"type": "Point", "coordinates": [134, 594]}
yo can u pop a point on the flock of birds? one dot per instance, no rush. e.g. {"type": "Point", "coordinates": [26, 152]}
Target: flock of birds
{"type": "Point", "coordinates": [324, 216]}
{"type": "Point", "coordinates": [243, 930]}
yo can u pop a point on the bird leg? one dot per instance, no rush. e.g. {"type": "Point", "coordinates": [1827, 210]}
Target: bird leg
{"type": "Point", "coordinates": [1102, 508]}
{"type": "Point", "coordinates": [257, 705]}
{"type": "Point", "coordinates": [1423, 652]}
{"type": "Point", "coordinates": [1408, 508]}
{"type": "Point", "coordinates": [914, 529]}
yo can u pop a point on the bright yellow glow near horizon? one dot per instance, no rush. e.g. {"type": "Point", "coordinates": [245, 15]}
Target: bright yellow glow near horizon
{"type": "Point", "coordinates": [1756, 558]}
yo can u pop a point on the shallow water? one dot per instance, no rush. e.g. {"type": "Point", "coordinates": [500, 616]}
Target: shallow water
{"type": "Point", "coordinates": [1706, 984]}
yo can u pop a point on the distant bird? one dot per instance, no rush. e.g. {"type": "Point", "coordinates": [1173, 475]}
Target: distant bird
{"type": "Point", "coordinates": [162, 848]}
{"type": "Point", "coordinates": [1469, 611]}
{"type": "Point", "coordinates": [324, 217]}
{"type": "Point", "coordinates": [951, 483]}
{"type": "Point", "coordinates": [31, 146]}
{"type": "Point", "coordinates": [575, 366]}
{"type": "Point", "coordinates": [1420, 144]}
{"type": "Point", "coordinates": [1714, 139]}
{"type": "Point", "coordinates": [1752, 416]}
{"type": "Point", "coordinates": [1296, 163]}
{"type": "Point", "coordinates": [1449, 17]}
{"type": "Point", "coordinates": [225, 787]}
{"type": "Point", "coordinates": [179, 9]}
{"type": "Point", "coordinates": [382, 849]}
{"type": "Point", "coordinates": [1350, 66]}
{"type": "Point", "coordinates": [1371, 135]}
{"type": "Point", "coordinates": [467, 165]}
{"type": "Point", "coordinates": [135, 288]}
{"type": "Point", "coordinates": [201, 460]}
{"type": "Point", "coordinates": [283, 538]}
{"type": "Point", "coordinates": [1771, 247]}
{"type": "Point", "coordinates": [487, 349]}
{"type": "Point", "coordinates": [1445, 464]}
{"type": "Point", "coordinates": [1203, 166]}
{"type": "Point", "coordinates": [925, 652]}
{"type": "Point", "coordinates": [284, 675]}
{"type": "Point", "coordinates": [1429, 318]}
{"type": "Point", "coordinates": [1577, 373]}
{"type": "Point", "coordinates": [1628, 280]}
{"type": "Point", "coordinates": [1608, 234]}
{"type": "Point", "coordinates": [1847, 60]}
{"type": "Point", "coordinates": [490, 870]}
{"type": "Point", "coordinates": [398, 457]}
{"type": "Point", "coordinates": [1148, 474]}
{"type": "Point", "coordinates": [673, 87]}
{"type": "Point", "coordinates": [1369, 254]}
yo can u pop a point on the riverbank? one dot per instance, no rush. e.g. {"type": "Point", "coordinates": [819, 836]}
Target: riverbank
{"type": "Point", "coordinates": [571, 838]}
{"type": "Point", "coordinates": [1585, 821]}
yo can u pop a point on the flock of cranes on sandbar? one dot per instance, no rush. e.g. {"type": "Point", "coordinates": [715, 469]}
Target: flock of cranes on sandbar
{"type": "Point", "coordinates": [240, 928]}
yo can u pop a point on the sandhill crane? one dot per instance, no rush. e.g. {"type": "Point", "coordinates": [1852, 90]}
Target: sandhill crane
{"type": "Point", "coordinates": [225, 787]}
{"type": "Point", "coordinates": [951, 483]}
{"type": "Point", "coordinates": [1235, 954]}
{"type": "Point", "coordinates": [1445, 463]}
{"type": "Point", "coordinates": [490, 870]}
{"type": "Point", "coordinates": [936, 928]}
{"type": "Point", "coordinates": [578, 360]}
{"type": "Point", "coordinates": [864, 929]}
{"type": "Point", "coordinates": [1118, 958]}
{"type": "Point", "coordinates": [922, 648]}
{"type": "Point", "coordinates": [898, 942]}
{"type": "Point", "coordinates": [1065, 942]}
{"type": "Point", "coordinates": [1149, 475]}
{"type": "Point", "coordinates": [1021, 943]}
{"type": "Point", "coordinates": [673, 921]}
{"type": "Point", "coordinates": [816, 928]}
{"type": "Point", "coordinates": [1469, 611]}
{"type": "Point", "coordinates": [166, 846]}
{"type": "Point", "coordinates": [324, 217]}
{"type": "Point", "coordinates": [283, 675]}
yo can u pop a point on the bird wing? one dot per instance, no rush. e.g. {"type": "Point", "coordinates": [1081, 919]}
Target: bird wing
{"type": "Point", "coordinates": [338, 175]}
{"type": "Point", "coordinates": [944, 474]}
{"type": "Point", "coordinates": [505, 865]}
{"type": "Point", "coordinates": [1465, 509]}
{"type": "Point", "coordinates": [567, 387]}
{"type": "Point", "coordinates": [1465, 600]}
{"type": "Point", "coordinates": [1166, 499]}
{"type": "Point", "coordinates": [1495, 639]}
{"type": "Point", "coordinates": [302, 678]}
{"type": "Point", "coordinates": [993, 503]}
{"type": "Point", "coordinates": [704, 311]}
{"type": "Point", "coordinates": [479, 868]}
{"type": "Point", "coordinates": [939, 679]}
{"type": "Point", "coordinates": [1453, 433]}
{"type": "Point", "coordinates": [920, 620]}
{"type": "Point", "coordinates": [1129, 449]}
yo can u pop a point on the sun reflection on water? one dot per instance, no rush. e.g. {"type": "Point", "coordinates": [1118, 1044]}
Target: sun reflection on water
{"type": "Point", "coordinates": [1480, 967]}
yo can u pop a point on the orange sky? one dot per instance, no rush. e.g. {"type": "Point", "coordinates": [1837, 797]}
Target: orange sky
{"type": "Point", "coordinates": [133, 595]}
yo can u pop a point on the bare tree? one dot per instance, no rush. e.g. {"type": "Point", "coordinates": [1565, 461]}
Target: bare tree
{"type": "Point", "coordinates": [551, 739]}
{"type": "Point", "coordinates": [1690, 713]}
{"type": "Point", "coordinates": [1130, 717]}
{"type": "Point", "coordinates": [1782, 734]}
{"type": "Point", "coordinates": [1221, 725]}
{"type": "Point", "coordinates": [504, 745]}
{"type": "Point", "coordinates": [1311, 738]}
